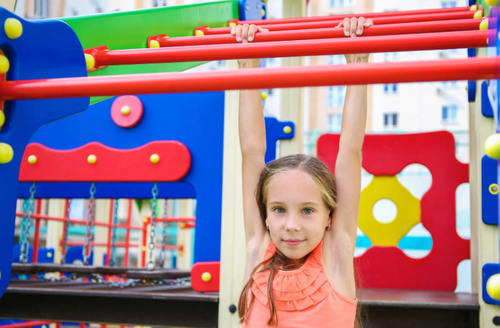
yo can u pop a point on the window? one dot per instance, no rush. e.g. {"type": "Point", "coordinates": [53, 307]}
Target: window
{"type": "Point", "coordinates": [336, 60]}
{"type": "Point", "coordinates": [390, 120]}
{"type": "Point", "coordinates": [450, 84]}
{"type": "Point", "coordinates": [336, 96]}
{"type": "Point", "coordinates": [159, 3]}
{"type": "Point", "coordinates": [449, 113]}
{"type": "Point", "coordinates": [342, 3]}
{"type": "Point", "coordinates": [448, 4]}
{"type": "Point", "coordinates": [390, 88]}
{"type": "Point", "coordinates": [334, 122]}
{"type": "Point", "coordinates": [390, 56]}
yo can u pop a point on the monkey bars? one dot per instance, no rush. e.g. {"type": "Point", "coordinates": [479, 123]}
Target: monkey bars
{"type": "Point", "coordinates": [484, 68]}
{"type": "Point", "coordinates": [325, 33]}
{"type": "Point", "coordinates": [412, 42]}
{"type": "Point", "coordinates": [334, 22]}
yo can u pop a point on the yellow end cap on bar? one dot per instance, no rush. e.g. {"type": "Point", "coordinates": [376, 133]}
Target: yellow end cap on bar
{"type": "Point", "coordinates": [484, 24]}
{"type": "Point", "coordinates": [478, 14]}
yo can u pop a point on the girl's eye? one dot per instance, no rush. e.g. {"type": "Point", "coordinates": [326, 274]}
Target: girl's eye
{"type": "Point", "coordinates": [307, 210]}
{"type": "Point", "coordinates": [279, 210]}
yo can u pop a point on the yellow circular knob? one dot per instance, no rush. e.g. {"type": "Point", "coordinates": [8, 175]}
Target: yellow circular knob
{"type": "Point", "coordinates": [13, 28]}
{"type": "Point", "coordinates": [493, 286]}
{"type": "Point", "coordinates": [89, 61]}
{"type": "Point", "coordinates": [155, 158]}
{"type": "Point", "coordinates": [287, 129]}
{"type": "Point", "coordinates": [4, 64]}
{"type": "Point", "coordinates": [265, 0]}
{"type": "Point", "coordinates": [125, 110]}
{"type": "Point", "coordinates": [492, 2]}
{"type": "Point", "coordinates": [493, 188]}
{"type": "Point", "coordinates": [484, 24]}
{"type": "Point", "coordinates": [263, 95]}
{"type": "Point", "coordinates": [32, 159]}
{"type": "Point", "coordinates": [478, 14]}
{"type": "Point", "coordinates": [154, 44]}
{"type": "Point", "coordinates": [92, 159]}
{"type": "Point", "coordinates": [263, 12]}
{"type": "Point", "coordinates": [6, 153]}
{"type": "Point", "coordinates": [206, 276]}
{"type": "Point", "coordinates": [2, 118]}
{"type": "Point", "coordinates": [492, 146]}
{"type": "Point", "coordinates": [199, 33]}
{"type": "Point", "coordinates": [49, 255]}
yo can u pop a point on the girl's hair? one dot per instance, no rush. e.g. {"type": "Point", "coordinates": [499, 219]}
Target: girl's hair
{"type": "Point", "coordinates": [323, 178]}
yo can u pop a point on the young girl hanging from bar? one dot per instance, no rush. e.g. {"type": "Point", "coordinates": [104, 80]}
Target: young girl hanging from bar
{"type": "Point", "coordinates": [300, 221]}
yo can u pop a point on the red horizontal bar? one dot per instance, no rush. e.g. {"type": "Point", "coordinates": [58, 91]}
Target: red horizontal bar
{"type": "Point", "coordinates": [366, 15]}
{"type": "Point", "coordinates": [376, 21]}
{"type": "Point", "coordinates": [26, 324]}
{"type": "Point", "coordinates": [404, 42]}
{"type": "Point", "coordinates": [258, 78]}
{"type": "Point", "coordinates": [325, 33]}
{"type": "Point", "coordinates": [120, 245]}
{"type": "Point", "coordinates": [104, 224]}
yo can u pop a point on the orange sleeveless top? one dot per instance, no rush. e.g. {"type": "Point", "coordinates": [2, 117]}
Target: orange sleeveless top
{"type": "Point", "coordinates": [303, 297]}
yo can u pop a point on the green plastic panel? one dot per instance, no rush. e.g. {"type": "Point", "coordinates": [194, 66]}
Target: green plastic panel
{"type": "Point", "coordinates": [131, 29]}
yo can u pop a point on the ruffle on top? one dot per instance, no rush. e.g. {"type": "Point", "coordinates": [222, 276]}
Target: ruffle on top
{"type": "Point", "coordinates": [297, 289]}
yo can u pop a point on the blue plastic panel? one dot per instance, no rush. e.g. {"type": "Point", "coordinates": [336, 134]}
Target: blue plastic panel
{"type": "Point", "coordinates": [488, 270]}
{"type": "Point", "coordinates": [489, 199]}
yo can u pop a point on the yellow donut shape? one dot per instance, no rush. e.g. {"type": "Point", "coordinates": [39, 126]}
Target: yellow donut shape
{"type": "Point", "coordinates": [408, 215]}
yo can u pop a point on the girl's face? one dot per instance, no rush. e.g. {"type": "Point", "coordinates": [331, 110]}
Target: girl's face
{"type": "Point", "coordinates": [296, 213]}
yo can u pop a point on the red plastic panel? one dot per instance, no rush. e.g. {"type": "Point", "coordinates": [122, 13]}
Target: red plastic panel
{"type": "Point", "coordinates": [132, 117]}
{"type": "Point", "coordinates": [389, 267]}
{"type": "Point", "coordinates": [199, 268]}
{"type": "Point", "coordinates": [111, 165]}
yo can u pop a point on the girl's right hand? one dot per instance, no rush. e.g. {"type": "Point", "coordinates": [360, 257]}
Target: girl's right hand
{"type": "Point", "coordinates": [246, 33]}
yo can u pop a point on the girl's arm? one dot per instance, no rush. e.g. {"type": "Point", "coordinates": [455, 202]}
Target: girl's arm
{"type": "Point", "coordinates": [252, 137]}
{"type": "Point", "coordinates": [340, 240]}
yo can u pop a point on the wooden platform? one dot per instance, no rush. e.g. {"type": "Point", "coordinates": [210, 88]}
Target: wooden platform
{"type": "Point", "coordinates": [180, 306]}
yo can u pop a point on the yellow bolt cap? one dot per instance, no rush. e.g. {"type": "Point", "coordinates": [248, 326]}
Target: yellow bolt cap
{"type": "Point", "coordinates": [6, 153]}
{"type": "Point", "coordinates": [4, 64]}
{"type": "Point", "coordinates": [2, 118]}
{"type": "Point", "coordinates": [478, 14]}
{"type": "Point", "coordinates": [154, 44]}
{"type": "Point", "coordinates": [199, 33]}
{"type": "Point", "coordinates": [13, 28]}
{"type": "Point", "coordinates": [484, 24]}
{"type": "Point", "coordinates": [287, 129]}
{"type": "Point", "coordinates": [155, 158]}
{"type": "Point", "coordinates": [89, 61]}
{"type": "Point", "coordinates": [493, 286]}
{"type": "Point", "coordinates": [92, 159]}
{"type": "Point", "coordinates": [143, 248]}
{"type": "Point", "coordinates": [125, 110]}
{"type": "Point", "coordinates": [263, 95]}
{"type": "Point", "coordinates": [32, 159]}
{"type": "Point", "coordinates": [263, 12]}
{"type": "Point", "coordinates": [206, 276]}
{"type": "Point", "coordinates": [492, 146]}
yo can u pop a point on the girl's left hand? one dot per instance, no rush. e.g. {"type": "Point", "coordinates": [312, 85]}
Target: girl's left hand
{"type": "Point", "coordinates": [354, 27]}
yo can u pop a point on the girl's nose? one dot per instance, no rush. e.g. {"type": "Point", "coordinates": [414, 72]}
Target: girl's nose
{"type": "Point", "coordinates": [292, 224]}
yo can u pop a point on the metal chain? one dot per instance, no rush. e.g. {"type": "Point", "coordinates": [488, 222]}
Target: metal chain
{"type": "Point", "coordinates": [112, 256]}
{"type": "Point", "coordinates": [65, 233]}
{"type": "Point", "coordinates": [90, 224]}
{"type": "Point", "coordinates": [152, 233]}
{"type": "Point", "coordinates": [164, 234]}
{"type": "Point", "coordinates": [28, 209]}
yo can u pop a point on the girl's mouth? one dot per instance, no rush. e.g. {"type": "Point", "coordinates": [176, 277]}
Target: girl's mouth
{"type": "Point", "coordinates": [293, 242]}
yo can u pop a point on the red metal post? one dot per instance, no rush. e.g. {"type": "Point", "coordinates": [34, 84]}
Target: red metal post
{"type": "Point", "coordinates": [144, 241]}
{"type": "Point", "coordinates": [387, 43]}
{"type": "Point", "coordinates": [127, 233]}
{"type": "Point", "coordinates": [36, 239]}
{"type": "Point", "coordinates": [110, 228]}
{"type": "Point", "coordinates": [366, 15]}
{"type": "Point", "coordinates": [259, 78]}
{"type": "Point", "coordinates": [326, 33]}
{"type": "Point", "coordinates": [376, 21]}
